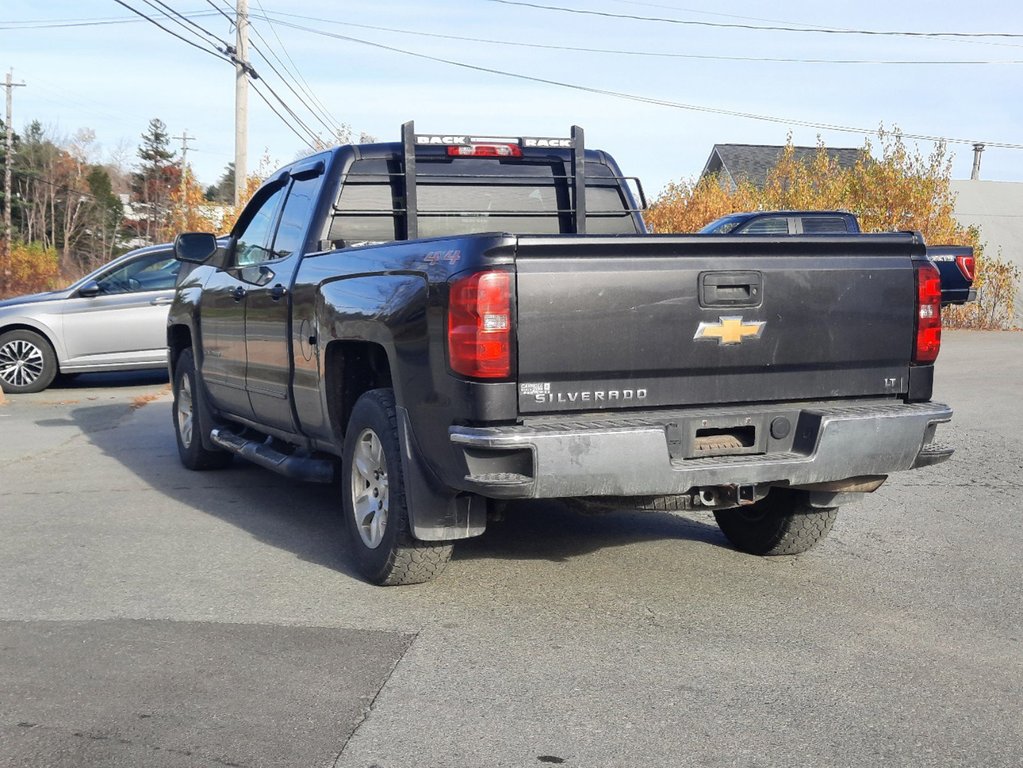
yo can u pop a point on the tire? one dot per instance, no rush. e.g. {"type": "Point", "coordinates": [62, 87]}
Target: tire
{"type": "Point", "coordinates": [374, 502]}
{"type": "Point", "coordinates": [27, 362]}
{"type": "Point", "coordinates": [783, 523]}
{"type": "Point", "coordinates": [190, 420]}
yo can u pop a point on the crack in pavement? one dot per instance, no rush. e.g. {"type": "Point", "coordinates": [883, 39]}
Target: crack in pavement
{"type": "Point", "coordinates": [368, 710]}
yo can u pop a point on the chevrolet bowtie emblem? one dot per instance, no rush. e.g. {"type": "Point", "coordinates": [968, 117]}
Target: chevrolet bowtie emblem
{"type": "Point", "coordinates": [729, 330]}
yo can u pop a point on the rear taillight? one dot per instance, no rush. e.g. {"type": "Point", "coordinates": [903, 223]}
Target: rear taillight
{"type": "Point", "coordinates": [480, 325]}
{"type": "Point", "coordinates": [928, 313]}
{"type": "Point", "coordinates": [967, 265]}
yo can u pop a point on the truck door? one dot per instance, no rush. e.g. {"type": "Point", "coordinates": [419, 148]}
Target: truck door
{"type": "Point", "coordinates": [268, 304]}
{"type": "Point", "coordinates": [224, 357]}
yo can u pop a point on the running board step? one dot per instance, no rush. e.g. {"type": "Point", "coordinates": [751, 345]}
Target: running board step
{"type": "Point", "coordinates": [295, 467]}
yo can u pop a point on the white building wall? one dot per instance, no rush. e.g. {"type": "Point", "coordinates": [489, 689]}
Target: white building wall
{"type": "Point", "coordinates": [996, 208]}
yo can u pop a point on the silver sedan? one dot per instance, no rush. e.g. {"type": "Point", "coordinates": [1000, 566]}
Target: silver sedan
{"type": "Point", "coordinates": [114, 319]}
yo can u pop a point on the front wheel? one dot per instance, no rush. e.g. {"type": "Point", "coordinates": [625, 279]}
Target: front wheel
{"type": "Point", "coordinates": [374, 502]}
{"type": "Point", "coordinates": [190, 420]}
{"type": "Point", "coordinates": [27, 362]}
{"type": "Point", "coordinates": [783, 523]}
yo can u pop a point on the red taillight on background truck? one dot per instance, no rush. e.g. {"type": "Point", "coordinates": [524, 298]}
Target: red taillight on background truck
{"type": "Point", "coordinates": [967, 264]}
{"type": "Point", "coordinates": [480, 325]}
{"type": "Point", "coordinates": [928, 313]}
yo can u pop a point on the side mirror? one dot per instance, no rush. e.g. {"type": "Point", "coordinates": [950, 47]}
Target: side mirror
{"type": "Point", "coordinates": [89, 290]}
{"type": "Point", "coordinates": [194, 247]}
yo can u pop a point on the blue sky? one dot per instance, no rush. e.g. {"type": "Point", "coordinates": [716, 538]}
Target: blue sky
{"type": "Point", "coordinates": [113, 78]}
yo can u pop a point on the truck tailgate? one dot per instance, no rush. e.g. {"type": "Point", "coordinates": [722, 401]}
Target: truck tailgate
{"type": "Point", "coordinates": [618, 322]}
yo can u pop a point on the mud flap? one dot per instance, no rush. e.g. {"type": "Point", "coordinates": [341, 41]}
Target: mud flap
{"type": "Point", "coordinates": [436, 512]}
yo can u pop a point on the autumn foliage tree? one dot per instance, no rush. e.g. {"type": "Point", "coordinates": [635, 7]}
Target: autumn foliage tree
{"type": "Point", "coordinates": [899, 190]}
{"type": "Point", "coordinates": [190, 209]}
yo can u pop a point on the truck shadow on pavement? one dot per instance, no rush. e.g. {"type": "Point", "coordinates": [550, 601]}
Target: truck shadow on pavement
{"type": "Point", "coordinates": [553, 531]}
{"type": "Point", "coordinates": [305, 519]}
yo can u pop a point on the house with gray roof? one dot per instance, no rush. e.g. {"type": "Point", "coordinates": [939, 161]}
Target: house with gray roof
{"type": "Point", "coordinates": [733, 162]}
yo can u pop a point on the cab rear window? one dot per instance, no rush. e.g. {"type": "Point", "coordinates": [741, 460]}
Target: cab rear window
{"type": "Point", "coordinates": [472, 196]}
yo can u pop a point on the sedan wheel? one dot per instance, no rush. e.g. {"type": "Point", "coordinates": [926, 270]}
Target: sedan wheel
{"type": "Point", "coordinates": [27, 362]}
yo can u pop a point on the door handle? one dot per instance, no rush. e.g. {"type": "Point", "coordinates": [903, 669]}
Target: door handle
{"type": "Point", "coordinates": [731, 289]}
{"type": "Point", "coordinates": [161, 302]}
{"type": "Point", "coordinates": [278, 292]}
{"type": "Point", "coordinates": [238, 293]}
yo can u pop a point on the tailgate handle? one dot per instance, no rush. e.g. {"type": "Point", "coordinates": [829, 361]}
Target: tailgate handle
{"type": "Point", "coordinates": [731, 289]}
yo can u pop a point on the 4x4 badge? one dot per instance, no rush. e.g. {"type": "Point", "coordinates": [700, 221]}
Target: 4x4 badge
{"type": "Point", "coordinates": [730, 330]}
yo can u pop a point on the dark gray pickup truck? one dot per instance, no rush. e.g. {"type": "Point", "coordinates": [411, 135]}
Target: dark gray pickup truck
{"type": "Point", "coordinates": [453, 322]}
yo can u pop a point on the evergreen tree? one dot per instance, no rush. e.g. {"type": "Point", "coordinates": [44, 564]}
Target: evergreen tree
{"type": "Point", "coordinates": [107, 214]}
{"type": "Point", "coordinates": [155, 177]}
{"type": "Point", "coordinates": [223, 190]}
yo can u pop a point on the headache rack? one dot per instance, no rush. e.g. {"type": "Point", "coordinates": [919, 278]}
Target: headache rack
{"type": "Point", "coordinates": [410, 177]}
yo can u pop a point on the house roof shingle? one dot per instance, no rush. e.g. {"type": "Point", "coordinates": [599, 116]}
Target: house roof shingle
{"type": "Point", "coordinates": [753, 161]}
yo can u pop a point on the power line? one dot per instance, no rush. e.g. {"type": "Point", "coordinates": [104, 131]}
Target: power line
{"type": "Point", "coordinates": [296, 73]}
{"type": "Point", "coordinates": [219, 10]}
{"type": "Point", "coordinates": [758, 27]}
{"type": "Point", "coordinates": [650, 54]}
{"type": "Point", "coordinates": [283, 120]}
{"type": "Point", "coordinates": [330, 129]}
{"type": "Point", "coordinates": [311, 133]}
{"type": "Point", "coordinates": [251, 72]}
{"type": "Point", "coordinates": [59, 187]}
{"type": "Point", "coordinates": [171, 32]}
{"type": "Point", "coordinates": [94, 22]}
{"type": "Point", "coordinates": [188, 21]}
{"type": "Point", "coordinates": [649, 99]}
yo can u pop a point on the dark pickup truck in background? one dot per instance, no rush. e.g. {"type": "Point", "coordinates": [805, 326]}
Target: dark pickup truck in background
{"type": "Point", "coordinates": [956, 264]}
{"type": "Point", "coordinates": [454, 322]}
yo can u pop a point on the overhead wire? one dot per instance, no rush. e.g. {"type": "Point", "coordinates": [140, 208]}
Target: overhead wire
{"type": "Point", "coordinates": [324, 122]}
{"type": "Point", "coordinates": [648, 54]}
{"type": "Point", "coordinates": [171, 32]}
{"type": "Point", "coordinates": [187, 21]}
{"type": "Point", "coordinates": [295, 70]}
{"type": "Point", "coordinates": [649, 99]}
{"type": "Point", "coordinates": [221, 11]}
{"type": "Point", "coordinates": [96, 22]}
{"type": "Point", "coordinates": [222, 55]}
{"type": "Point", "coordinates": [273, 109]}
{"type": "Point", "coordinates": [331, 129]}
{"type": "Point", "coordinates": [759, 27]}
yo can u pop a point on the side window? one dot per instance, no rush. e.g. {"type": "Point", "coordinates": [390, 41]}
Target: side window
{"type": "Point", "coordinates": [295, 217]}
{"type": "Point", "coordinates": [820, 225]}
{"type": "Point", "coordinates": [152, 272]}
{"type": "Point", "coordinates": [253, 246]}
{"type": "Point", "coordinates": [366, 209]}
{"type": "Point", "coordinates": [775, 226]}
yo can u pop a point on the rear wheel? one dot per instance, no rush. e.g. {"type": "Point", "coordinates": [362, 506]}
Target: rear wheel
{"type": "Point", "coordinates": [190, 421]}
{"type": "Point", "coordinates": [27, 362]}
{"type": "Point", "coordinates": [783, 523]}
{"type": "Point", "coordinates": [374, 502]}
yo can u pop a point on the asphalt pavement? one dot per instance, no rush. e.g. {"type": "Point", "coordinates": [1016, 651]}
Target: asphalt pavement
{"type": "Point", "coordinates": [153, 616]}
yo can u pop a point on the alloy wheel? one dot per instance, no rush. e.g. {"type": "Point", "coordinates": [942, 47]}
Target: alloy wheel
{"type": "Point", "coordinates": [185, 411]}
{"type": "Point", "coordinates": [21, 363]}
{"type": "Point", "coordinates": [369, 488]}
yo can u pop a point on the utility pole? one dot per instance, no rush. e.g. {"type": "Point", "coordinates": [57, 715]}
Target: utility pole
{"type": "Point", "coordinates": [241, 100]}
{"type": "Point", "coordinates": [184, 137]}
{"type": "Point", "coordinates": [5, 253]}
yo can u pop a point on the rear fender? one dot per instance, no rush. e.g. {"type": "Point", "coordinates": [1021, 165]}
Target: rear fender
{"type": "Point", "coordinates": [391, 311]}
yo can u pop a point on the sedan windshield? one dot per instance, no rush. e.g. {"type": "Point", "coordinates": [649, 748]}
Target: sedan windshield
{"type": "Point", "coordinates": [724, 225]}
